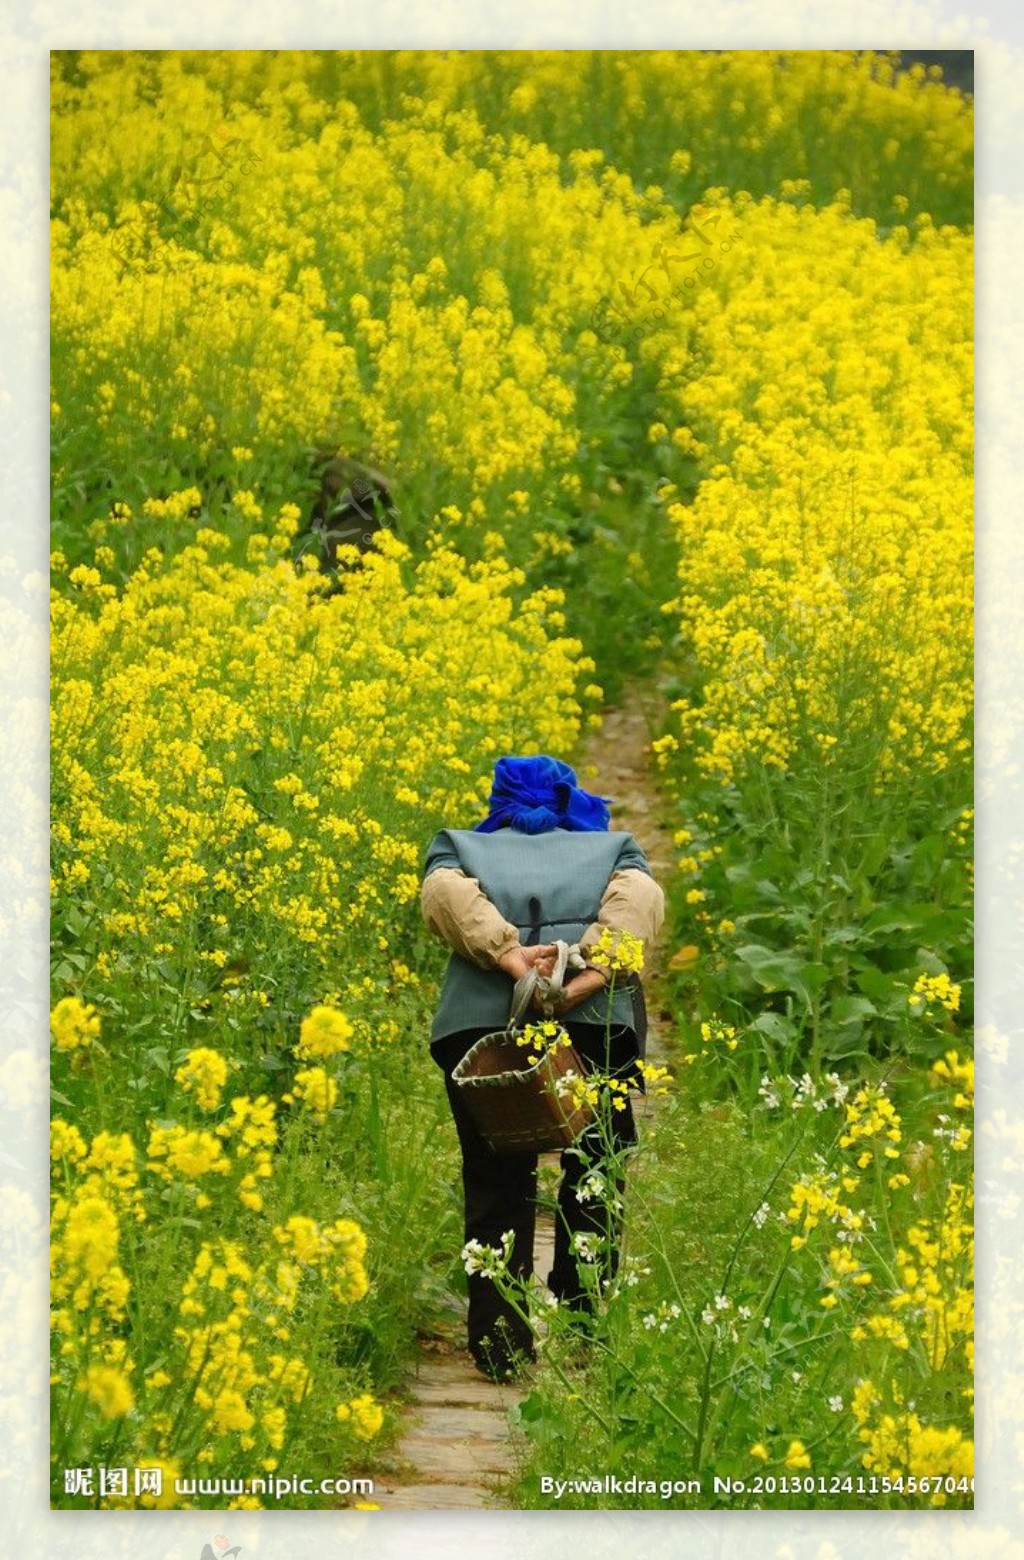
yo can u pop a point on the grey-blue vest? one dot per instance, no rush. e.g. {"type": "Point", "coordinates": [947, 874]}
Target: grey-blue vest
{"type": "Point", "coordinates": [549, 886]}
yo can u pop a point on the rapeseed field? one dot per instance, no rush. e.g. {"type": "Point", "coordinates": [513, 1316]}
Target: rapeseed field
{"type": "Point", "coordinates": [659, 366]}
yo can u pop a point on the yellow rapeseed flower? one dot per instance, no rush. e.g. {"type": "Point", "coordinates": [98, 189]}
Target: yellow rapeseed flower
{"type": "Point", "coordinates": [324, 1032]}
{"type": "Point", "coordinates": [74, 1024]}
{"type": "Point", "coordinates": [318, 1092]}
{"type": "Point", "coordinates": [618, 952]}
{"type": "Point", "coordinates": [204, 1072]}
{"type": "Point", "coordinates": [938, 989]}
{"type": "Point", "coordinates": [109, 1388]}
{"type": "Point", "coordinates": [365, 1416]}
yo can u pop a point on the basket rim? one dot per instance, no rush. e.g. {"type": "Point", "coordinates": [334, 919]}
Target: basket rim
{"type": "Point", "coordinates": [510, 1075]}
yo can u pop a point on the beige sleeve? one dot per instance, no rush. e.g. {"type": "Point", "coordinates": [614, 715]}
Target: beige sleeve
{"type": "Point", "coordinates": [633, 902]}
{"type": "Point", "coordinates": [456, 907]}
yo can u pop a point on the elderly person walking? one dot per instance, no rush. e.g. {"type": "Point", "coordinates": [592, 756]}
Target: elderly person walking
{"type": "Point", "coordinates": [543, 865]}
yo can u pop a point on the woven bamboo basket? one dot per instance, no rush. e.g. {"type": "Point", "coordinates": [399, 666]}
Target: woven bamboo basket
{"type": "Point", "coordinates": [517, 1108]}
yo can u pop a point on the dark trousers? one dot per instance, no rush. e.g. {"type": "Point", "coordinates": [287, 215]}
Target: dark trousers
{"type": "Point", "coordinates": [501, 1189]}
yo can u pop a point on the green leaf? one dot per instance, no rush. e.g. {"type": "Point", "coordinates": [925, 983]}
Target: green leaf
{"type": "Point", "coordinates": [924, 1042]}
{"type": "Point", "coordinates": [69, 966]}
{"type": "Point", "coordinates": [530, 1411]}
{"type": "Point", "coordinates": [775, 1026]}
{"type": "Point", "coordinates": [852, 1010]}
{"type": "Point", "coordinates": [772, 969]}
{"type": "Point", "coordinates": [776, 971]}
{"type": "Point", "coordinates": [814, 975]}
{"type": "Point", "coordinates": [844, 937]}
{"type": "Point", "coordinates": [901, 918]}
{"type": "Point", "coordinates": [929, 852]}
{"type": "Point", "coordinates": [745, 875]}
{"type": "Point", "coordinates": [875, 982]}
{"type": "Point", "coordinates": [844, 1043]}
{"type": "Point", "coordinates": [874, 854]}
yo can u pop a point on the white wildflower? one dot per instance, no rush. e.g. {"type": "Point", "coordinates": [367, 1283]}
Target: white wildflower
{"type": "Point", "coordinates": [488, 1260]}
{"type": "Point", "coordinates": [838, 1090]}
{"type": "Point", "coordinates": [592, 1185]}
{"type": "Point", "coordinates": [769, 1093]}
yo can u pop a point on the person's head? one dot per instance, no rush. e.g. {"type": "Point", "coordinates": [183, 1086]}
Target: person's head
{"type": "Point", "coordinates": [536, 794]}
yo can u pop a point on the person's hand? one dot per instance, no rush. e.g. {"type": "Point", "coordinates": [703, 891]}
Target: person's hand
{"type": "Point", "coordinates": [586, 984]}
{"type": "Point", "coordinates": [519, 961]}
{"type": "Point", "coordinates": [542, 957]}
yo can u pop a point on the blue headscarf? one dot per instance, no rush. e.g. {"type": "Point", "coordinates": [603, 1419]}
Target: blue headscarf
{"type": "Point", "coordinates": [534, 795]}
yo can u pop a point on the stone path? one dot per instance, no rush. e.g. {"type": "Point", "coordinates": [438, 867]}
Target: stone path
{"type": "Point", "coordinates": [455, 1453]}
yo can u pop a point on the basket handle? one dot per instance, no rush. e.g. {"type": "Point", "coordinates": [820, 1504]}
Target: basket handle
{"type": "Point", "coordinates": [522, 992]}
{"type": "Point", "coordinates": [550, 985]}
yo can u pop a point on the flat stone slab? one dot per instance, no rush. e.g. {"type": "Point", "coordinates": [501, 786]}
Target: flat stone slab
{"type": "Point", "coordinates": [451, 1365]}
{"type": "Point", "coordinates": [445, 1423]}
{"type": "Point", "coordinates": [457, 1392]}
{"type": "Point", "coordinates": [452, 1456]}
{"type": "Point", "coordinates": [454, 1373]}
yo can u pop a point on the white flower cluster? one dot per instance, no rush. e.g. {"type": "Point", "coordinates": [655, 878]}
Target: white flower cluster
{"type": "Point", "coordinates": [629, 1275]}
{"type": "Point", "coordinates": [709, 1314]}
{"type": "Point", "coordinates": [585, 1246]}
{"type": "Point", "coordinates": [723, 1317]}
{"type": "Point", "coordinates": [565, 1084]}
{"type": "Point", "coordinates": [663, 1318]}
{"type": "Point", "coordinates": [803, 1091]}
{"type": "Point", "coordinates": [769, 1093]}
{"type": "Point", "coordinates": [488, 1260]}
{"type": "Point", "coordinates": [594, 1187]}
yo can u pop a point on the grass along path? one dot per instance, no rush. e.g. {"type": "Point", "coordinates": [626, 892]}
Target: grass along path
{"type": "Point", "coordinates": [455, 1453]}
